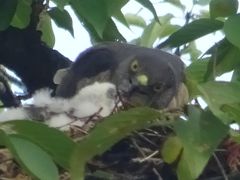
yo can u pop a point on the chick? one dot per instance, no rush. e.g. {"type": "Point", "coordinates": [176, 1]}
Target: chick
{"type": "Point", "coordinates": [62, 113]}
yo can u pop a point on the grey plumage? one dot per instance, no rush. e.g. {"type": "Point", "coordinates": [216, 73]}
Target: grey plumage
{"type": "Point", "coordinates": [144, 76]}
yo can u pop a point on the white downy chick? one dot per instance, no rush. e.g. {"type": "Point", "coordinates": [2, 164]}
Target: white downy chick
{"type": "Point", "coordinates": [43, 98]}
{"type": "Point", "coordinates": [58, 112]}
{"type": "Point", "coordinates": [95, 98]}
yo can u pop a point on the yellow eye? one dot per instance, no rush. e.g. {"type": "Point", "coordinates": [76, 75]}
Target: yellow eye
{"type": "Point", "coordinates": [135, 66]}
{"type": "Point", "coordinates": [157, 87]}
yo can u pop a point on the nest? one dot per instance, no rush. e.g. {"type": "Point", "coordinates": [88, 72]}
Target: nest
{"type": "Point", "coordinates": [137, 157]}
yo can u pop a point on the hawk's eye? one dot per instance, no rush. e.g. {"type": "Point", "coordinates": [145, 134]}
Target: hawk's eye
{"type": "Point", "coordinates": [157, 87]}
{"type": "Point", "coordinates": [135, 66]}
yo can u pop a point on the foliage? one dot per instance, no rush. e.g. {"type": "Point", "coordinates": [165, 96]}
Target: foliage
{"type": "Point", "coordinates": [109, 132]}
{"type": "Point", "coordinates": [200, 136]}
{"type": "Point", "coordinates": [193, 140]}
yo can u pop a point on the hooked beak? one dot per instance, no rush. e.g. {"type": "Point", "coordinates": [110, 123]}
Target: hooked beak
{"type": "Point", "coordinates": [131, 89]}
{"type": "Point", "coordinates": [127, 85]}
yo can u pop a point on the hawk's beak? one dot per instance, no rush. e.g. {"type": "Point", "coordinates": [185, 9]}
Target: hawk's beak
{"type": "Point", "coordinates": [130, 88]}
{"type": "Point", "coordinates": [142, 79]}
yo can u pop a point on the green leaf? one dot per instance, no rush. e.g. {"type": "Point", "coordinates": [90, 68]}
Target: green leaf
{"type": "Point", "coordinates": [200, 136]}
{"type": "Point", "coordinates": [236, 76]}
{"type": "Point", "coordinates": [217, 94]}
{"type": "Point", "coordinates": [224, 58]}
{"type": "Point", "coordinates": [114, 9]}
{"type": "Point", "coordinates": [62, 19]}
{"type": "Point", "coordinates": [223, 8]}
{"type": "Point", "coordinates": [53, 141]}
{"type": "Point", "coordinates": [45, 26]}
{"type": "Point", "coordinates": [232, 29]}
{"type": "Point", "coordinates": [111, 33]}
{"type": "Point", "coordinates": [192, 50]}
{"type": "Point", "coordinates": [32, 158]}
{"type": "Point", "coordinates": [113, 6]}
{"type": "Point", "coordinates": [150, 34]}
{"type": "Point", "coordinates": [228, 62]}
{"type": "Point", "coordinates": [121, 18]}
{"type": "Point", "coordinates": [192, 31]}
{"type": "Point", "coordinates": [168, 29]}
{"type": "Point", "coordinates": [171, 150]}
{"type": "Point", "coordinates": [61, 3]}
{"type": "Point", "coordinates": [3, 138]}
{"type": "Point", "coordinates": [7, 11]}
{"type": "Point", "coordinates": [155, 30]}
{"type": "Point", "coordinates": [98, 23]}
{"type": "Point", "coordinates": [22, 15]}
{"type": "Point", "coordinates": [110, 131]}
{"type": "Point", "coordinates": [232, 111]}
{"type": "Point", "coordinates": [89, 10]}
{"type": "Point", "coordinates": [196, 70]}
{"type": "Point", "coordinates": [147, 4]}
{"type": "Point", "coordinates": [135, 20]}
{"type": "Point", "coordinates": [195, 74]}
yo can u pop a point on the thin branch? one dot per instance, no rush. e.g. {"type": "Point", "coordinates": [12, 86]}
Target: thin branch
{"type": "Point", "coordinates": [157, 174]}
{"type": "Point", "coordinates": [220, 167]}
{"type": "Point", "coordinates": [146, 139]}
{"type": "Point", "coordinates": [149, 156]}
{"type": "Point", "coordinates": [138, 147]}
